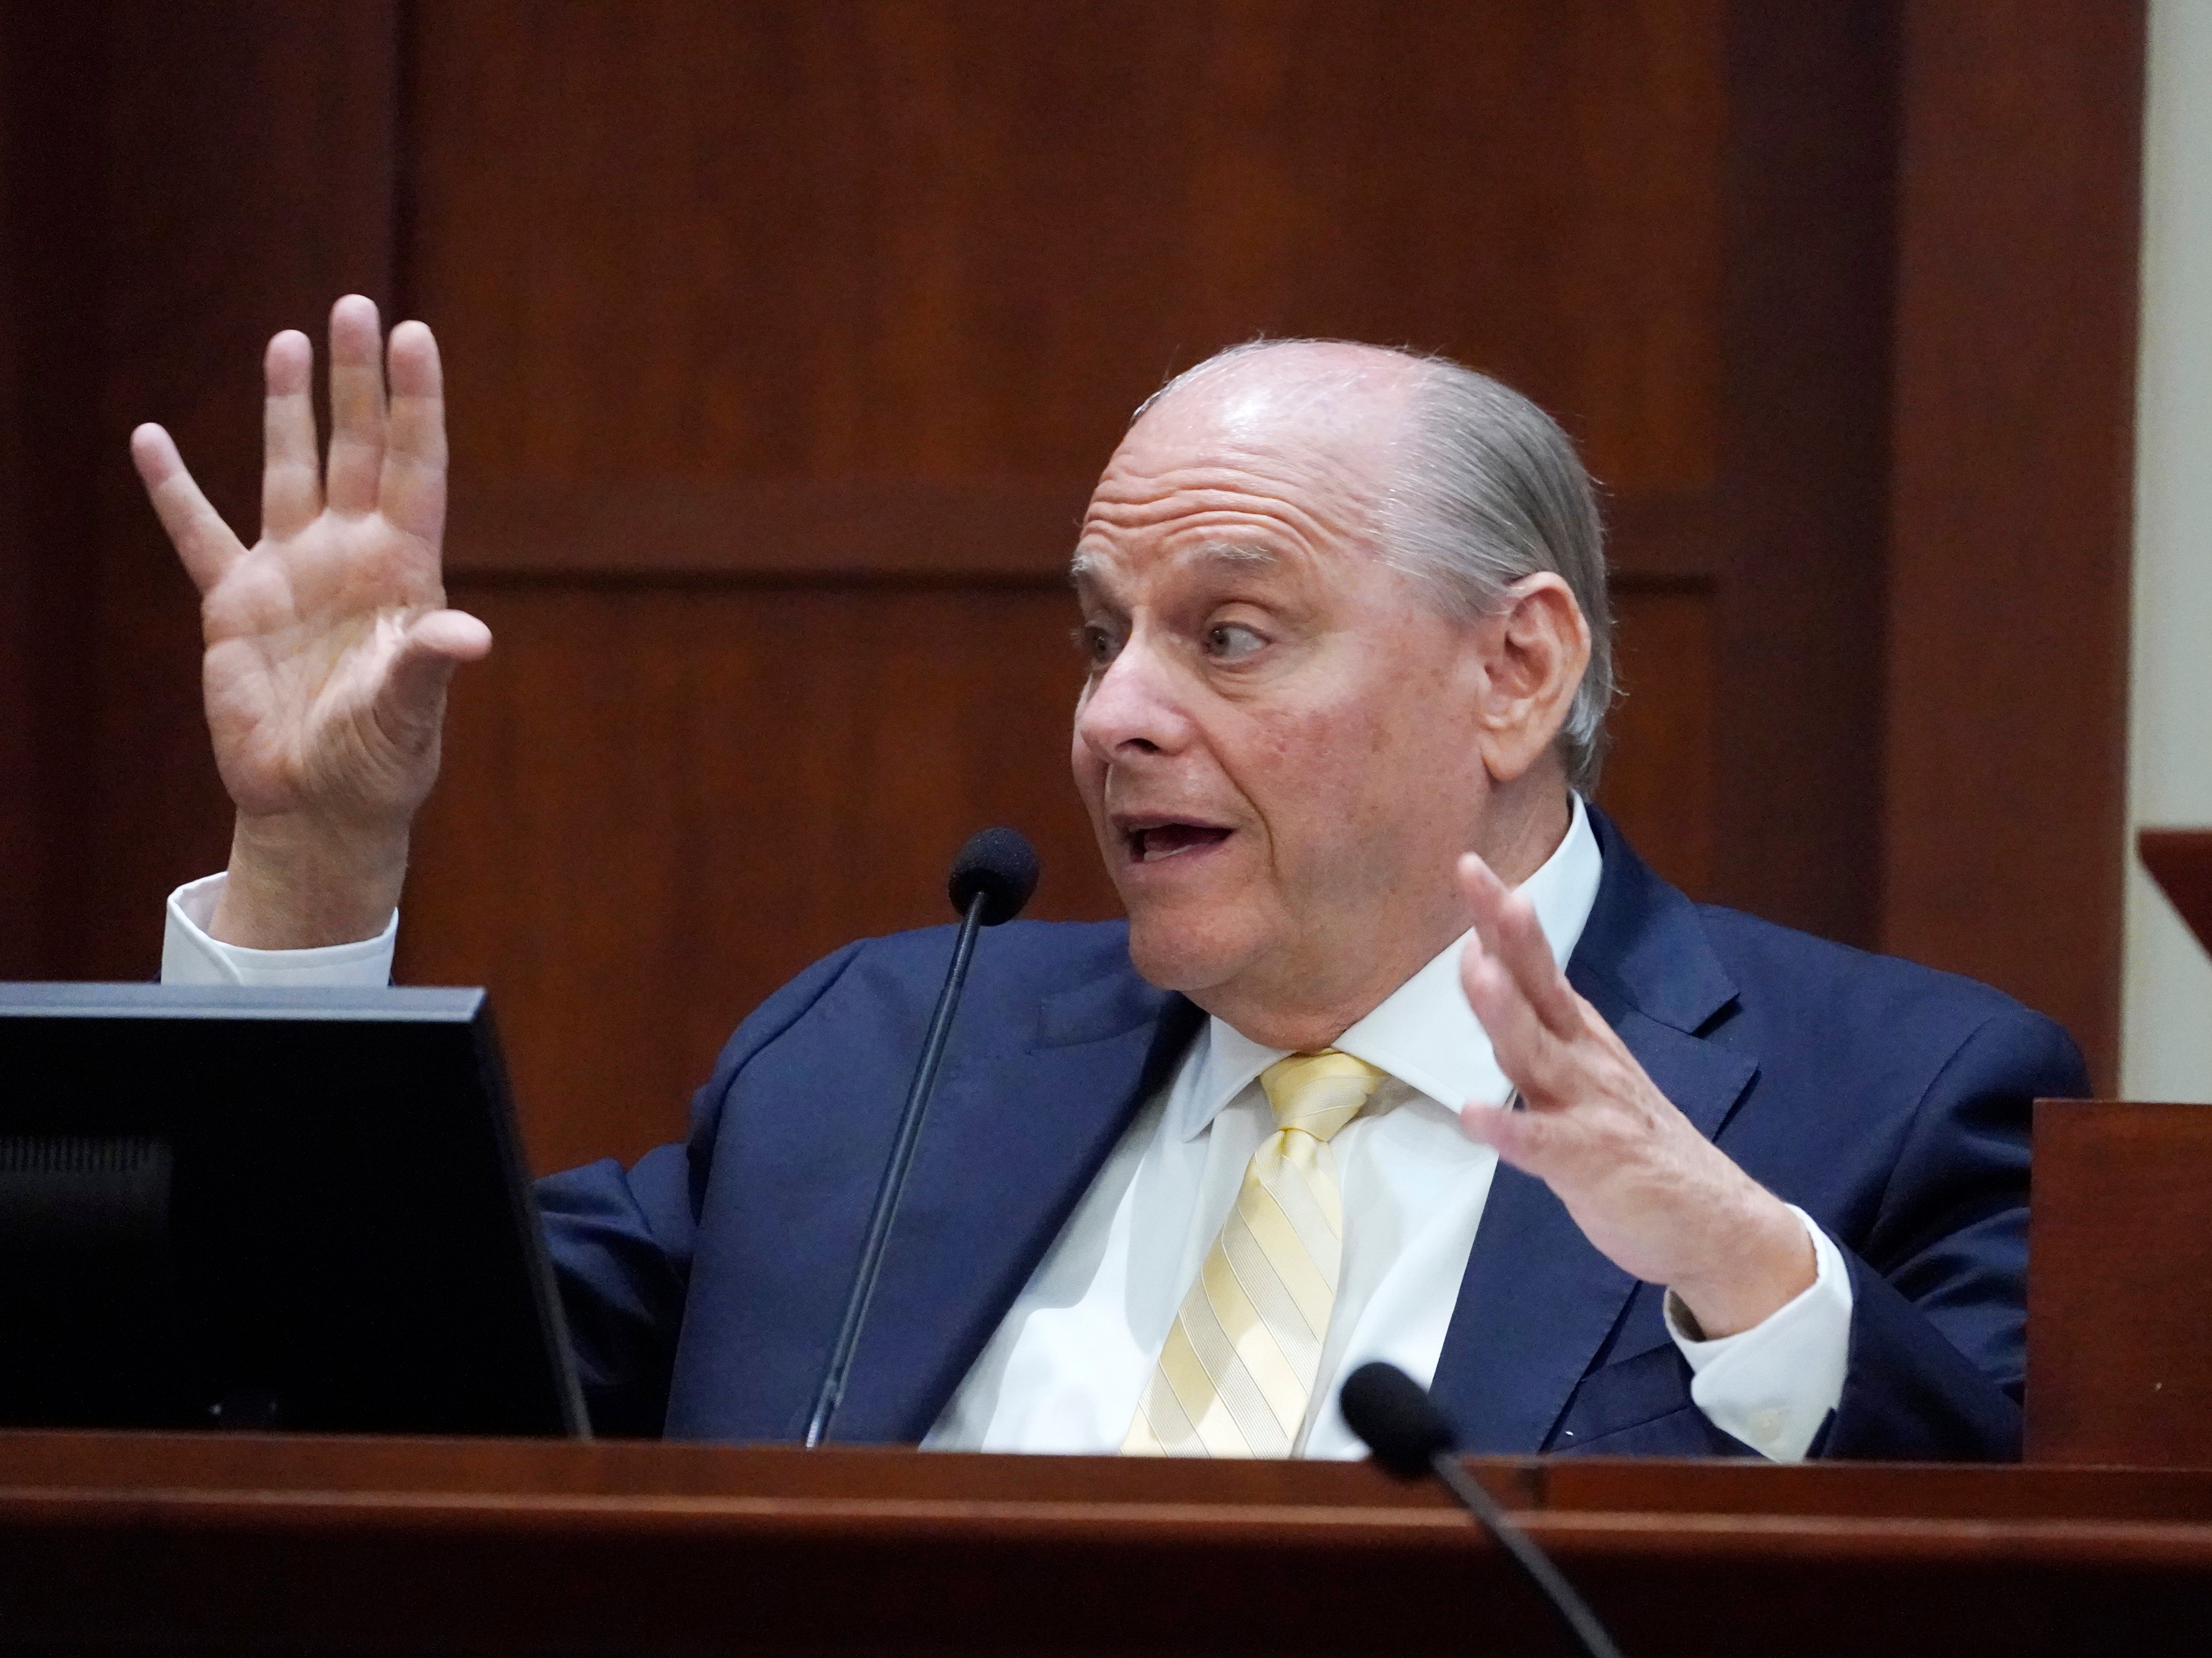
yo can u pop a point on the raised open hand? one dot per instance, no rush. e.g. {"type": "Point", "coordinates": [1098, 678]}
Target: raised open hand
{"type": "Point", "coordinates": [1653, 1194]}
{"type": "Point", "coordinates": [328, 644]}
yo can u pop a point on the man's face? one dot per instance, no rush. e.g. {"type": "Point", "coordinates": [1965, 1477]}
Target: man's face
{"type": "Point", "coordinates": [1276, 742]}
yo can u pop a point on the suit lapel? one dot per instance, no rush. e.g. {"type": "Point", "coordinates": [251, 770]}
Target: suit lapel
{"type": "Point", "coordinates": [1538, 1300]}
{"type": "Point", "coordinates": [1011, 1144]}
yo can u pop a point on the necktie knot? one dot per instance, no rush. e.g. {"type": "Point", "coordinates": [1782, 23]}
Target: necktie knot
{"type": "Point", "coordinates": [1319, 1092]}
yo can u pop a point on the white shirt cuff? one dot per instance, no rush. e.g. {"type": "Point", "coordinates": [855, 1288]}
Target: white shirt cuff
{"type": "Point", "coordinates": [1774, 1385]}
{"type": "Point", "coordinates": [189, 956]}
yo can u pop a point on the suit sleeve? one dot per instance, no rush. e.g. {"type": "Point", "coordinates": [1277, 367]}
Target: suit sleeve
{"type": "Point", "coordinates": [1938, 1338]}
{"type": "Point", "coordinates": [621, 1238]}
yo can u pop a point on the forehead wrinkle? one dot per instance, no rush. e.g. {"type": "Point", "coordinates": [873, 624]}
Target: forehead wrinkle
{"type": "Point", "coordinates": [1212, 511]}
{"type": "Point", "coordinates": [1325, 490]}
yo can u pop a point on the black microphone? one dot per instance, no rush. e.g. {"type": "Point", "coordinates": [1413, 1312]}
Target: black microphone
{"type": "Point", "coordinates": [992, 878]}
{"type": "Point", "coordinates": [1402, 1425]}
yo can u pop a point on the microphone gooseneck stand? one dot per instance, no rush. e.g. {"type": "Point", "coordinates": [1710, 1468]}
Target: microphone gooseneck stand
{"type": "Point", "coordinates": [1399, 1422]}
{"type": "Point", "coordinates": [992, 878]}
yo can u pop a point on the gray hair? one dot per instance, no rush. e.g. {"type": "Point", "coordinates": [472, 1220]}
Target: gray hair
{"type": "Point", "coordinates": [1488, 490]}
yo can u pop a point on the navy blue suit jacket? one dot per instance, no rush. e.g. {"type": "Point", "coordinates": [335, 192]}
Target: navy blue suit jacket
{"type": "Point", "coordinates": [703, 1286]}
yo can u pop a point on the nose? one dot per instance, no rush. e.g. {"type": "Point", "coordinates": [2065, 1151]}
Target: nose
{"type": "Point", "coordinates": [1135, 708]}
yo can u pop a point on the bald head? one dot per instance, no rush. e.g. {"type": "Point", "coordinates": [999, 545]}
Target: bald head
{"type": "Point", "coordinates": [1339, 409]}
{"type": "Point", "coordinates": [1327, 385]}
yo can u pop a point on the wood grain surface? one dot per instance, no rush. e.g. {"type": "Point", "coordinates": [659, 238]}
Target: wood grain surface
{"type": "Point", "coordinates": [2119, 1252]}
{"type": "Point", "coordinates": [129, 1543]}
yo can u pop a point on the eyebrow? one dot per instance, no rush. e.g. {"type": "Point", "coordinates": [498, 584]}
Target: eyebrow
{"type": "Point", "coordinates": [1250, 555]}
{"type": "Point", "coordinates": [1236, 555]}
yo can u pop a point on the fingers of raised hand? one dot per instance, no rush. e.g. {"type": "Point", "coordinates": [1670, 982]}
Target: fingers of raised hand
{"type": "Point", "coordinates": [1526, 1050]}
{"type": "Point", "coordinates": [1507, 923]}
{"type": "Point", "coordinates": [357, 413]}
{"type": "Point", "coordinates": [203, 540]}
{"type": "Point", "coordinates": [1527, 1140]}
{"type": "Point", "coordinates": [412, 489]}
{"type": "Point", "coordinates": [291, 478]}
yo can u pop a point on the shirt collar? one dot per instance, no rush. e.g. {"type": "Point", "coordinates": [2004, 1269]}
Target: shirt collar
{"type": "Point", "coordinates": [1423, 1033]}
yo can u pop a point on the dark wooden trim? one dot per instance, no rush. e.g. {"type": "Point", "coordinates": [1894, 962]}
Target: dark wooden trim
{"type": "Point", "coordinates": [829, 530]}
{"type": "Point", "coordinates": [1806, 321]}
{"type": "Point", "coordinates": [908, 530]}
{"type": "Point", "coordinates": [52, 70]}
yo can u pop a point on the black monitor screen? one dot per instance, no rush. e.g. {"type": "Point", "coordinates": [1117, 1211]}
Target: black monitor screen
{"type": "Point", "coordinates": [293, 1209]}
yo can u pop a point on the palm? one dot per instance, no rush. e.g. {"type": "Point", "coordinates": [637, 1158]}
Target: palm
{"type": "Point", "coordinates": [302, 634]}
{"type": "Point", "coordinates": [328, 645]}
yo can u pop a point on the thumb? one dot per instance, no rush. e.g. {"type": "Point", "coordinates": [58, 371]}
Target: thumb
{"type": "Point", "coordinates": [453, 634]}
{"type": "Point", "coordinates": [412, 700]}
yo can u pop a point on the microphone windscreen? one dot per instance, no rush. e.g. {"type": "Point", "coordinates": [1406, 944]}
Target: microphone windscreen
{"type": "Point", "coordinates": [1394, 1414]}
{"type": "Point", "coordinates": [1001, 865]}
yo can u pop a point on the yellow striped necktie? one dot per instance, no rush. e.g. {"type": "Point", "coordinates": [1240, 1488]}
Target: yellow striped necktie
{"type": "Point", "coordinates": [1238, 1368]}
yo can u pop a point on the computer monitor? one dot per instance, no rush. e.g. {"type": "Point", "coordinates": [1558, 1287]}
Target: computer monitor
{"type": "Point", "coordinates": [303, 1209]}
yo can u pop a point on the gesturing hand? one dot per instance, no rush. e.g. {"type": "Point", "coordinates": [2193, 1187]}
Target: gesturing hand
{"type": "Point", "coordinates": [1656, 1196]}
{"type": "Point", "coordinates": [329, 645]}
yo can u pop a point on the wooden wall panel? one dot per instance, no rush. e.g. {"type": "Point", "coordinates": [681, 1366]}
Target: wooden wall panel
{"type": "Point", "coordinates": [819, 239]}
{"type": "Point", "coordinates": [661, 801]}
{"type": "Point", "coordinates": [1661, 776]}
{"type": "Point", "coordinates": [1804, 494]}
{"type": "Point", "coordinates": [2005, 759]}
{"type": "Point", "coordinates": [2119, 1244]}
{"type": "Point", "coordinates": [51, 70]}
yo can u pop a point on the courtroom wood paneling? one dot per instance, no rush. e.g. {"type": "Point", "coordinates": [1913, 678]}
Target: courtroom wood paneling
{"type": "Point", "coordinates": [818, 238]}
{"type": "Point", "coordinates": [2119, 1251]}
{"type": "Point", "coordinates": [51, 70]}
{"type": "Point", "coordinates": [2006, 678]}
{"type": "Point", "coordinates": [854, 297]}
{"type": "Point", "coordinates": [1810, 246]}
{"type": "Point", "coordinates": [1660, 774]}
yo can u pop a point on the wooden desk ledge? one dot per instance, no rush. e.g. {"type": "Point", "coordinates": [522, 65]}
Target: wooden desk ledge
{"type": "Point", "coordinates": [128, 1542]}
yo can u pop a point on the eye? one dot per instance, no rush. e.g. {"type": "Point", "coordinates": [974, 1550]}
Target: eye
{"type": "Point", "coordinates": [1096, 643]}
{"type": "Point", "coordinates": [1227, 642]}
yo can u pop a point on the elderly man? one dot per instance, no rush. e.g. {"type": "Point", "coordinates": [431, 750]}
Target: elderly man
{"type": "Point", "coordinates": [1401, 1052]}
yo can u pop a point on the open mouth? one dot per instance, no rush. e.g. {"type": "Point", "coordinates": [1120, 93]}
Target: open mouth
{"type": "Point", "coordinates": [1166, 840]}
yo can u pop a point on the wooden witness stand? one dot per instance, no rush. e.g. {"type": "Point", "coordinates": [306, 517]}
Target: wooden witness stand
{"type": "Point", "coordinates": [114, 1542]}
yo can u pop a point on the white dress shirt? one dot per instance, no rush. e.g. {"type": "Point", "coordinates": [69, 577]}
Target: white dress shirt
{"type": "Point", "coordinates": [1064, 1370]}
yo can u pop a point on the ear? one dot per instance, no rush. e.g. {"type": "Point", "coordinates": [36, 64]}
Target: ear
{"type": "Point", "coordinates": [1536, 648]}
